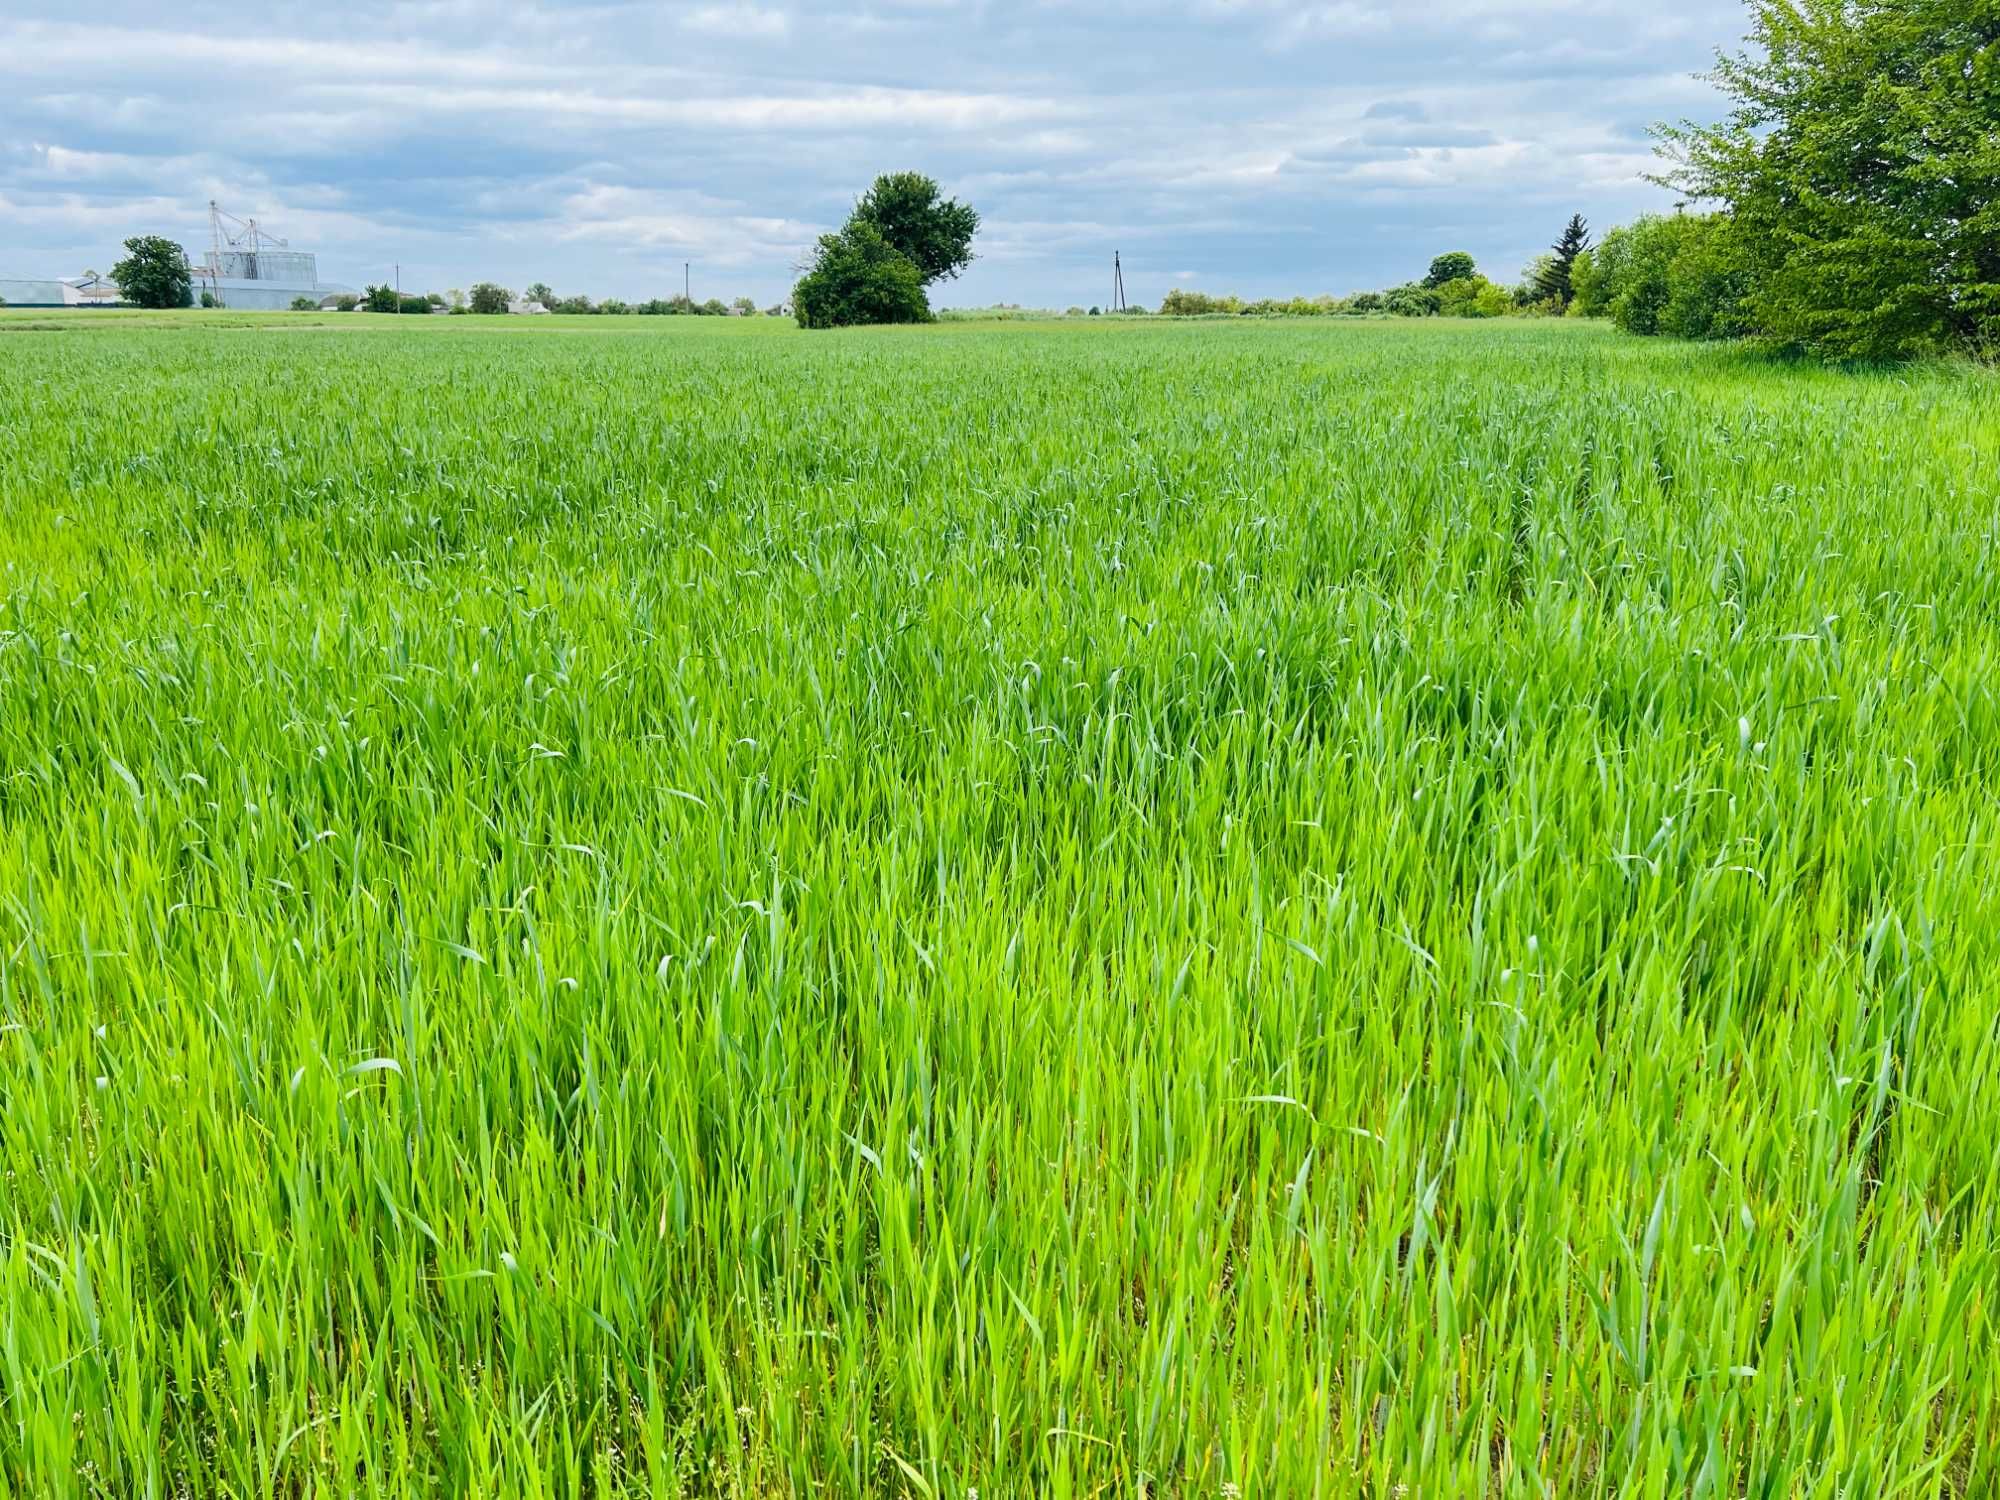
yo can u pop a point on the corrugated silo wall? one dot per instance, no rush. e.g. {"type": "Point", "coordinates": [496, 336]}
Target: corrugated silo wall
{"type": "Point", "coordinates": [258, 297]}
{"type": "Point", "coordinates": [292, 267]}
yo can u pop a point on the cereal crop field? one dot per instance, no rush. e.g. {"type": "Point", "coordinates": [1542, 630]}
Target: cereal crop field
{"type": "Point", "coordinates": [1082, 909]}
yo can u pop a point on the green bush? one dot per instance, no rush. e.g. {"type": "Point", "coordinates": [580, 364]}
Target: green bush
{"type": "Point", "coordinates": [857, 277]}
{"type": "Point", "coordinates": [1472, 297]}
{"type": "Point", "coordinates": [1685, 275]}
{"type": "Point", "coordinates": [1412, 301]}
{"type": "Point", "coordinates": [1182, 303]}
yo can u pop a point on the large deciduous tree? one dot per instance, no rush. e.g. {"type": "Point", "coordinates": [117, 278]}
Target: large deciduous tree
{"type": "Point", "coordinates": [903, 235]}
{"type": "Point", "coordinates": [154, 273]}
{"type": "Point", "coordinates": [1861, 168]}
{"type": "Point", "coordinates": [915, 217]}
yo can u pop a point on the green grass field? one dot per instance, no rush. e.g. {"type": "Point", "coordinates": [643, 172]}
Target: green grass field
{"type": "Point", "coordinates": [674, 907]}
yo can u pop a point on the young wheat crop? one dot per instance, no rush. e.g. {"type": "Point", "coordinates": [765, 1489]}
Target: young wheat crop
{"type": "Point", "coordinates": [1103, 909]}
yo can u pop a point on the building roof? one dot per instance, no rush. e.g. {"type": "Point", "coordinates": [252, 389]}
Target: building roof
{"type": "Point", "coordinates": [38, 293]}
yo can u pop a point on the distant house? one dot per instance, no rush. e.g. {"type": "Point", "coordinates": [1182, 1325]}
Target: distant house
{"type": "Point", "coordinates": [522, 306]}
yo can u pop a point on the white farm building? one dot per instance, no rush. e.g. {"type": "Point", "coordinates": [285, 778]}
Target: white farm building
{"type": "Point", "coordinates": [263, 279]}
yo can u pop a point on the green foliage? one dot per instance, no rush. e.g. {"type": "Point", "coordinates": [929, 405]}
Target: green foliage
{"type": "Point", "coordinates": [1555, 272]}
{"type": "Point", "coordinates": [209, 299]}
{"type": "Point", "coordinates": [542, 292]}
{"type": "Point", "coordinates": [1292, 909]}
{"type": "Point", "coordinates": [1183, 303]}
{"type": "Point", "coordinates": [1414, 300]}
{"type": "Point", "coordinates": [381, 299]}
{"type": "Point", "coordinates": [1684, 275]}
{"type": "Point", "coordinates": [1454, 265]}
{"type": "Point", "coordinates": [154, 273]}
{"type": "Point", "coordinates": [743, 307]}
{"type": "Point", "coordinates": [1597, 273]}
{"type": "Point", "coordinates": [1472, 297]}
{"type": "Point", "coordinates": [490, 298]}
{"type": "Point", "coordinates": [1861, 168]}
{"type": "Point", "coordinates": [413, 304]}
{"type": "Point", "coordinates": [346, 303]}
{"type": "Point", "coordinates": [915, 218]}
{"type": "Point", "coordinates": [857, 277]}
{"type": "Point", "coordinates": [304, 304]}
{"type": "Point", "coordinates": [854, 276]}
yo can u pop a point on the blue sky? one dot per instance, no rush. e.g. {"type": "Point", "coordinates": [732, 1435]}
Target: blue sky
{"type": "Point", "coordinates": [1253, 146]}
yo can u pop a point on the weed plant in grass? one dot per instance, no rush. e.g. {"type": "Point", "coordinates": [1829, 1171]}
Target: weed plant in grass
{"type": "Point", "coordinates": [1111, 909]}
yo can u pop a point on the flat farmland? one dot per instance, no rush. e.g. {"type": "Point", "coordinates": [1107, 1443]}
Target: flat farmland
{"type": "Point", "coordinates": [650, 907]}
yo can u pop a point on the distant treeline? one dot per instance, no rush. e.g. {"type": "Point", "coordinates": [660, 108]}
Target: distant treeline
{"type": "Point", "coordinates": [490, 297]}
{"type": "Point", "coordinates": [1452, 288]}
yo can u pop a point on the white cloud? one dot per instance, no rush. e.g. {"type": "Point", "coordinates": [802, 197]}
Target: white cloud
{"type": "Point", "coordinates": [1278, 144]}
{"type": "Point", "coordinates": [738, 21]}
{"type": "Point", "coordinates": [687, 224]}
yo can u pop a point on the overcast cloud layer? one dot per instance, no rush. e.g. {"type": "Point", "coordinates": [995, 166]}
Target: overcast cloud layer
{"type": "Point", "coordinates": [1255, 146]}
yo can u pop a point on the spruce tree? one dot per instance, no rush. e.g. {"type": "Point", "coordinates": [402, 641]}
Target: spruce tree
{"type": "Point", "coordinates": [1554, 280]}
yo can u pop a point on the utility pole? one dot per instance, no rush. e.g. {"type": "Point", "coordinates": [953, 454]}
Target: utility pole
{"type": "Point", "coordinates": [1117, 283]}
{"type": "Point", "coordinates": [687, 282]}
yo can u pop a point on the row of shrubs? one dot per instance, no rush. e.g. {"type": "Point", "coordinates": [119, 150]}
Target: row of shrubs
{"type": "Point", "coordinates": [1453, 288]}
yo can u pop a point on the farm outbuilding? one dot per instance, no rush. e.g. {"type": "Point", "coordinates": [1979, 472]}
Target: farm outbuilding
{"type": "Point", "coordinates": [89, 290]}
